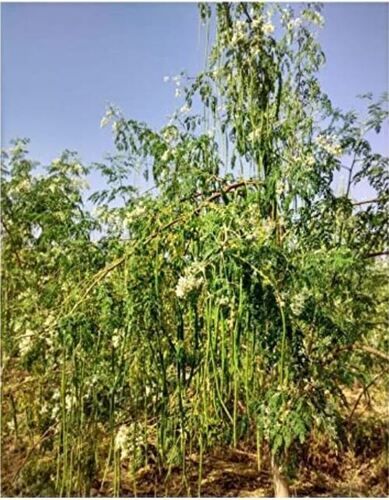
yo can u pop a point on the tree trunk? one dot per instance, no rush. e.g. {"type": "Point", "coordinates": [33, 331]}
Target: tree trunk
{"type": "Point", "coordinates": [281, 489]}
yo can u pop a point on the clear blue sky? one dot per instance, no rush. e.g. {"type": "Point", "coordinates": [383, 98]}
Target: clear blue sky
{"type": "Point", "coordinates": [62, 63]}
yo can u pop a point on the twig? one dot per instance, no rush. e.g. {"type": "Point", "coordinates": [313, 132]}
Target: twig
{"type": "Point", "coordinates": [364, 391]}
{"type": "Point", "coordinates": [38, 443]}
{"type": "Point", "coordinates": [365, 348]}
{"type": "Point", "coordinates": [376, 254]}
{"type": "Point", "coordinates": [367, 202]}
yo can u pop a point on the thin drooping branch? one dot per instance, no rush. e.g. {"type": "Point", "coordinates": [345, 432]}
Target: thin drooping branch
{"type": "Point", "coordinates": [100, 275]}
{"type": "Point", "coordinates": [364, 390]}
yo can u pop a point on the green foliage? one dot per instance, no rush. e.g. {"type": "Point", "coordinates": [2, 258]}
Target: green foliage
{"type": "Point", "coordinates": [226, 304]}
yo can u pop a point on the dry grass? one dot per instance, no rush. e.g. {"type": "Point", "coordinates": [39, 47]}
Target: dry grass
{"type": "Point", "coordinates": [359, 467]}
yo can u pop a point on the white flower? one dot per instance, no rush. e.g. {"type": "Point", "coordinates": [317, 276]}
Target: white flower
{"type": "Point", "coordinates": [177, 80]}
{"type": "Point", "coordinates": [189, 281]}
{"type": "Point", "coordinates": [104, 121]}
{"type": "Point", "coordinates": [329, 144]}
{"type": "Point", "coordinates": [169, 134]}
{"type": "Point", "coordinates": [298, 302]}
{"type": "Point", "coordinates": [55, 411]}
{"type": "Point", "coordinates": [24, 185]}
{"type": "Point", "coordinates": [255, 51]}
{"type": "Point", "coordinates": [166, 79]}
{"type": "Point", "coordinates": [77, 168]}
{"type": "Point", "coordinates": [166, 155]}
{"type": "Point", "coordinates": [185, 109]}
{"type": "Point", "coordinates": [313, 17]}
{"type": "Point", "coordinates": [280, 187]}
{"type": "Point", "coordinates": [26, 343]}
{"type": "Point", "coordinates": [177, 92]}
{"type": "Point", "coordinates": [136, 213]}
{"type": "Point", "coordinates": [224, 301]}
{"type": "Point", "coordinates": [294, 23]}
{"type": "Point", "coordinates": [17, 149]}
{"type": "Point", "coordinates": [122, 441]}
{"type": "Point", "coordinates": [70, 401]}
{"type": "Point", "coordinates": [254, 134]}
{"type": "Point", "coordinates": [310, 161]}
{"type": "Point", "coordinates": [116, 339]}
{"type": "Point", "coordinates": [268, 28]}
{"type": "Point", "coordinates": [236, 37]}
{"type": "Point", "coordinates": [268, 227]}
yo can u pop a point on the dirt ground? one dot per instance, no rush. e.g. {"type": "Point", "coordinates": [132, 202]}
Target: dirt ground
{"type": "Point", "coordinates": [359, 469]}
{"type": "Point", "coordinates": [233, 473]}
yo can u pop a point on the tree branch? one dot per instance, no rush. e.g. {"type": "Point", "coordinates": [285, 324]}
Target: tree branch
{"type": "Point", "coordinates": [364, 390]}
{"type": "Point", "coordinates": [376, 254]}
{"type": "Point", "coordinates": [366, 202]}
{"type": "Point", "coordinates": [362, 347]}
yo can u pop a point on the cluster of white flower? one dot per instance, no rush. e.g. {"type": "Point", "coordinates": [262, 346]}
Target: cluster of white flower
{"type": "Point", "coordinates": [49, 324]}
{"type": "Point", "coordinates": [169, 134]}
{"type": "Point", "coordinates": [18, 149]}
{"type": "Point", "coordinates": [314, 17]}
{"type": "Point", "coordinates": [167, 155]}
{"type": "Point", "coordinates": [186, 284]}
{"type": "Point", "coordinates": [24, 185]}
{"type": "Point", "coordinates": [211, 133]}
{"type": "Point", "coordinates": [121, 440]}
{"type": "Point", "coordinates": [116, 338]}
{"type": "Point", "coordinates": [265, 25]}
{"type": "Point", "coordinates": [329, 144]}
{"type": "Point", "coordinates": [223, 301]}
{"type": "Point", "coordinates": [26, 342]}
{"type": "Point", "coordinates": [268, 28]}
{"type": "Point", "coordinates": [310, 161]}
{"type": "Point", "coordinates": [136, 213]}
{"type": "Point", "coordinates": [127, 441]}
{"type": "Point", "coordinates": [175, 79]}
{"type": "Point", "coordinates": [56, 407]}
{"type": "Point", "coordinates": [298, 301]}
{"type": "Point", "coordinates": [70, 401]}
{"type": "Point", "coordinates": [78, 183]}
{"type": "Point", "coordinates": [191, 280]}
{"type": "Point", "coordinates": [109, 114]}
{"type": "Point", "coordinates": [258, 231]}
{"type": "Point", "coordinates": [255, 134]}
{"type": "Point", "coordinates": [294, 23]}
{"type": "Point", "coordinates": [239, 32]}
{"type": "Point", "coordinates": [77, 169]}
{"type": "Point", "coordinates": [218, 72]}
{"type": "Point", "coordinates": [185, 109]}
{"type": "Point", "coordinates": [280, 187]}
{"type": "Point", "coordinates": [255, 51]}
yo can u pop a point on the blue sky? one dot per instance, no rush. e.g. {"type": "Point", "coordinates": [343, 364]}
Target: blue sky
{"type": "Point", "coordinates": [62, 64]}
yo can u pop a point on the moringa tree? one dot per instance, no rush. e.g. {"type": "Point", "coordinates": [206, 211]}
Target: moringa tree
{"type": "Point", "coordinates": [234, 301]}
